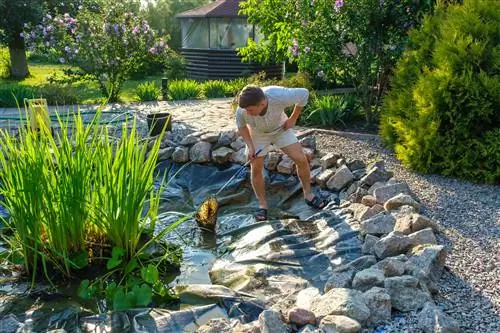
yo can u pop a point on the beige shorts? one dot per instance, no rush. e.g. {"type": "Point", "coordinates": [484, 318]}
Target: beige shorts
{"type": "Point", "coordinates": [281, 139]}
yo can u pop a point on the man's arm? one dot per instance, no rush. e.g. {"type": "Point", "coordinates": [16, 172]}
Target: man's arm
{"type": "Point", "coordinates": [243, 130]}
{"type": "Point", "coordinates": [296, 97]}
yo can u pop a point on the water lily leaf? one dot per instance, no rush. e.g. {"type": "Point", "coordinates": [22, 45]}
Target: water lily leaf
{"type": "Point", "coordinates": [143, 294]}
{"type": "Point", "coordinates": [120, 300]}
{"type": "Point", "coordinates": [84, 290]}
{"type": "Point", "coordinates": [116, 258]}
{"type": "Point", "coordinates": [132, 264]}
{"type": "Point", "coordinates": [150, 274]}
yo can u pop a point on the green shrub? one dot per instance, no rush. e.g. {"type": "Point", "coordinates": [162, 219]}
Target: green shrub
{"type": "Point", "coordinates": [4, 63]}
{"type": "Point", "coordinates": [148, 91]}
{"type": "Point", "coordinates": [12, 95]}
{"type": "Point", "coordinates": [236, 85]}
{"type": "Point", "coordinates": [175, 66]}
{"type": "Point", "coordinates": [216, 89]}
{"type": "Point", "coordinates": [327, 111]}
{"type": "Point", "coordinates": [298, 80]}
{"type": "Point", "coordinates": [442, 113]}
{"type": "Point", "coordinates": [185, 89]}
{"type": "Point", "coordinates": [57, 94]}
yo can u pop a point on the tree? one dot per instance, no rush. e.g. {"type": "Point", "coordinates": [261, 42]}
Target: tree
{"type": "Point", "coordinates": [13, 15]}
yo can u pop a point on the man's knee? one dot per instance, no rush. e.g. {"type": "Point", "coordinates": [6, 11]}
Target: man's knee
{"type": "Point", "coordinates": [301, 160]}
{"type": "Point", "coordinates": [257, 165]}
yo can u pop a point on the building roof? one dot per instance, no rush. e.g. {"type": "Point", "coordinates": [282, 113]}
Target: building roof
{"type": "Point", "coordinates": [218, 8]}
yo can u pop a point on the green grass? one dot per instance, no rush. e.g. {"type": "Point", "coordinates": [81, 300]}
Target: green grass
{"type": "Point", "coordinates": [88, 92]}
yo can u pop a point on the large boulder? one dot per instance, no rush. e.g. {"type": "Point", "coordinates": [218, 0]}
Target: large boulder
{"type": "Point", "coordinates": [272, 160]}
{"type": "Point", "coordinates": [374, 175]}
{"type": "Point", "coordinates": [368, 278]}
{"type": "Point", "coordinates": [222, 155]}
{"type": "Point", "coordinates": [342, 301]}
{"type": "Point", "coordinates": [180, 155]}
{"type": "Point", "coordinates": [240, 157]}
{"type": "Point", "coordinates": [286, 166]}
{"type": "Point", "coordinates": [382, 223]}
{"type": "Point", "coordinates": [324, 177]}
{"type": "Point", "coordinates": [201, 152]}
{"type": "Point", "coordinates": [392, 266]}
{"type": "Point", "coordinates": [384, 193]}
{"type": "Point", "coordinates": [210, 137]}
{"type": "Point", "coordinates": [341, 179]}
{"type": "Point", "coordinates": [429, 260]}
{"type": "Point", "coordinates": [309, 142]}
{"type": "Point", "coordinates": [369, 243]}
{"type": "Point", "coordinates": [226, 138]}
{"type": "Point", "coordinates": [270, 321]}
{"type": "Point", "coordinates": [425, 236]}
{"type": "Point", "coordinates": [406, 293]}
{"type": "Point", "coordinates": [432, 319]}
{"type": "Point", "coordinates": [329, 160]}
{"type": "Point", "coordinates": [300, 317]}
{"type": "Point", "coordinates": [306, 296]}
{"type": "Point", "coordinates": [238, 144]}
{"type": "Point", "coordinates": [378, 301]}
{"type": "Point", "coordinates": [218, 325]}
{"type": "Point", "coordinates": [341, 279]}
{"type": "Point", "coordinates": [391, 245]}
{"type": "Point", "coordinates": [339, 324]}
{"type": "Point", "coordinates": [165, 153]}
{"type": "Point", "coordinates": [401, 200]}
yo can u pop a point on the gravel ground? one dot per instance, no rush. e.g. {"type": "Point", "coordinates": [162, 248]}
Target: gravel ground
{"type": "Point", "coordinates": [469, 215]}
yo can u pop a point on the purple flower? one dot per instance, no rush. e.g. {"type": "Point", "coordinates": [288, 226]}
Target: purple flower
{"type": "Point", "coordinates": [135, 31]}
{"type": "Point", "coordinates": [338, 5]}
{"type": "Point", "coordinates": [21, 35]}
{"type": "Point", "coordinates": [153, 50]}
{"type": "Point", "coordinates": [116, 27]}
{"type": "Point", "coordinates": [295, 47]}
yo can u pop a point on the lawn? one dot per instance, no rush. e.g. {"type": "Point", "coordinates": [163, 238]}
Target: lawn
{"type": "Point", "coordinates": [88, 92]}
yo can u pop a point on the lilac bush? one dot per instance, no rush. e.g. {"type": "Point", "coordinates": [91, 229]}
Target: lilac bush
{"type": "Point", "coordinates": [107, 45]}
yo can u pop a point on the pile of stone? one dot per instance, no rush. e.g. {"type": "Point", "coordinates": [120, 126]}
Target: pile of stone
{"type": "Point", "coordinates": [402, 261]}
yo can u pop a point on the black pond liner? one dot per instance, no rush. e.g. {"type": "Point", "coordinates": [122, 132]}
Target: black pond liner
{"type": "Point", "coordinates": [303, 239]}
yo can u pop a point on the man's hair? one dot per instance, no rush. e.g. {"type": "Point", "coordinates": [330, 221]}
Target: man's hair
{"type": "Point", "coordinates": [250, 95]}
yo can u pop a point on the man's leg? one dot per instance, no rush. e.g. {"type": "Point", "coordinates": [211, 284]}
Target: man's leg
{"type": "Point", "coordinates": [258, 181]}
{"type": "Point", "coordinates": [296, 154]}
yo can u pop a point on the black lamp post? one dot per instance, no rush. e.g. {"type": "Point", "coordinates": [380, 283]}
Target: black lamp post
{"type": "Point", "coordinates": [164, 88]}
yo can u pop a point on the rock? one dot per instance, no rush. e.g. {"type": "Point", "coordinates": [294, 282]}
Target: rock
{"type": "Point", "coordinates": [429, 260]}
{"type": "Point", "coordinates": [329, 160]}
{"type": "Point", "coordinates": [391, 245]}
{"type": "Point", "coordinates": [340, 162]}
{"type": "Point", "coordinates": [384, 193]}
{"type": "Point", "coordinates": [252, 327]}
{"type": "Point", "coordinates": [339, 324]}
{"type": "Point", "coordinates": [286, 166]}
{"type": "Point", "coordinates": [420, 222]}
{"type": "Point", "coordinates": [210, 137]}
{"type": "Point", "coordinates": [272, 160]}
{"type": "Point", "coordinates": [403, 210]}
{"type": "Point", "coordinates": [357, 195]}
{"type": "Point", "coordinates": [315, 163]}
{"type": "Point", "coordinates": [165, 153]}
{"type": "Point", "coordinates": [362, 262]}
{"type": "Point", "coordinates": [400, 200]}
{"type": "Point", "coordinates": [370, 241]}
{"type": "Point", "coordinates": [324, 177]}
{"type": "Point", "coordinates": [421, 237]}
{"type": "Point", "coordinates": [238, 144]}
{"type": "Point", "coordinates": [352, 188]}
{"type": "Point", "coordinates": [378, 208]}
{"type": "Point", "coordinates": [222, 155]}
{"type": "Point", "coordinates": [309, 142]}
{"type": "Point", "coordinates": [403, 223]}
{"type": "Point", "coordinates": [369, 200]}
{"type": "Point", "coordinates": [226, 138]}
{"type": "Point", "coordinates": [309, 153]}
{"type": "Point", "coordinates": [382, 223]}
{"type": "Point", "coordinates": [341, 179]}
{"type": "Point", "coordinates": [368, 278]}
{"type": "Point", "coordinates": [218, 325]}
{"type": "Point", "coordinates": [190, 140]}
{"type": "Point", "coordinates": [406, 294]}
{"type": "Point", "coordinates": [378, 301]}
{"type": "Point", "coordinates": [431, 319]}
{"type": "Point", "coordinates": [270, 322]}
{"type": "Point", "coordinates": [181, 155]}
{"type": "Point", "coordinates": [392, 266]}
{"type": "Point", "coordinates": [306, 296]}
{"type": "Point", "coordinates": [358, 174]}
{"type": "Point", "coordinates": [10, 324]}
{"type": "Point", "coordinates": [310, 329]}
{"type": "Point", "coordinates": [374, 175]}
{"type": "Point", "coordinates": [315, 174]}
{"type": "Point", "coordinates": [341, 279]}
{"type": "Point", "coordinates": [375, 186]}
{"type": "Point", "coordinates": [342, 301]}
{"type": "Point", "coordinates": [240, 157]}
{"type": "Point", "coordinates": [360, 211]}
{"type": "Point", "coordinates": [356, 165]}
{"type": "Point", "coordinates": [300, 317]}
{"type": "Point", "coordinates": [201, 152]}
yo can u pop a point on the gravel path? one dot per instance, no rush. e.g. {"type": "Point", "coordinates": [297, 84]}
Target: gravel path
{"type": "Point", "coordinates": [469, 215]}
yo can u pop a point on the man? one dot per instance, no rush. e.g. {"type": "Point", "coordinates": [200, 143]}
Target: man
{"type": "Point", "coordinates": [261, 121]}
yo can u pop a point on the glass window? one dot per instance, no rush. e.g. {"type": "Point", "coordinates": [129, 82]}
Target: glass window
{"type": "Point", "coordinates": [228, 33]}
{"type": "Point", "coordinates": [194, 33]}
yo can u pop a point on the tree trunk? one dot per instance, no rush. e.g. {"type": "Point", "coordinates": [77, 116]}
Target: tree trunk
{"type": "Point", "coordinates": [18, 59]}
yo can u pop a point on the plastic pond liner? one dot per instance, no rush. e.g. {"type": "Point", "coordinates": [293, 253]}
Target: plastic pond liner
{"type": "Point", "coordinates": [236, 272]}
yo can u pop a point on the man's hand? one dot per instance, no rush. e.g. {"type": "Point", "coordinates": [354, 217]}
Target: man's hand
{"type": "Point", "coordinates": [289, 123]}
{"type": "Point", "coordinates": [251, 152]}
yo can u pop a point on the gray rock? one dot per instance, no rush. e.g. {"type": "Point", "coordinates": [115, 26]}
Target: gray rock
{"type": "Point", "coordinates": [10, 324]}
{"type": "Point", "coordinates": [378, 301]}
{"type": "Point", "coordinates": [406, 293]}
{"type": "Point", "coordinates": [238, 144]}
{"type": "Point", "coordinates": [340, 162]}
{"type": "Point", "coordinates": [210, 137]}
{"type": "Point", "coordinates": [222, 155]}
{"type": "Point", "coordinates": [384, 193]}
{"type": "Point", "coordinates": [420, 222]}
{"type": "Point", "coordinates": [226, 138]}
{"type": "Point", "coordinates": [341, 179]}
{"type": "Point", "coordinates": [358, 174]}
{"type": "Point", "coordinates": [369, 200]}
{"type": "Point", "coordinates": [352, 188]}
{"type": "Point", "coordinates": [310, 329]}
{"type": "Point", "coordinates": [357, 195]}
{"type": "Point", "coordinates": [201, 152]}
{"type": "Point", "coordinates": [370, 241]}
{"type": "Point", "coordinates": [270, 322]}
{"type": "Point", "coordinates": [272, 160]}
{"type": "Point", "coordinates": [368, 278]}
{"type": "Point", "coordinates": [329, 160]}
{"type": "Point", "coordinates": [165, 153]}
{"type": "Point", "coordinates": [382, 223]}
{"type": "Point", "coordinates": [218, 325]}
{"type": "Point", "coordinates": [432, 319]}
{"type": "Point", "coordinates": [190, 140]}
{"type": "Point", "coordinates": [392, 266]}
{"type": "Point", "coordinates": [324, 177]}
{"type": "Point", "coordinates": [401, 200]}
{"type": "Point", "coordinates": [374, 175]}
{"type": "Point", "coordinates": [341, 279]}
{"type": "Point", "coordinates": [404, 223]}
{"type": "Point", "coordinates": [309, 153]}
{"type": "Point", "coordinates": [315, 174]}
{"type": "Point", "coordinates": [315, 163]}
{"type": "Point", "coordinates": [375, 186]}
{"type": "Point", "coordinates": [363, 262]}
{"type": "Point", "coordinates": [360, 211]}
{"type": "Point", "coordinates": [421, 237]}
{"type": "Point", "coordinates": [305, 297]}
{"type": "Point", "coordinates": [309, 142]}
{"type": "Point", "coordinates": [181, 155]}
{"type": "Point", "coordinates": [356, 165]}
{"type": "Point", "coordinates": [428, 259]}
{"type": "Point", "coordinates": [391, 245]}
{"type": "Point", "coordinates": [300, 317]}
{"type": "Point", "coordinates": [339, 324]}
{"type": "Point", "coordinates": [378, 208]}
{"type": "Point", "coordinates": [240, 157]}
{"type": "Point", "coordinates": [286, 166]}
{"type": "Point", "coordinates": [342, 301]}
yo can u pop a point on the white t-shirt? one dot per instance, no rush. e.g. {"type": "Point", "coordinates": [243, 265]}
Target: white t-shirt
{"type": "Point", "coordinates": [279, 98]}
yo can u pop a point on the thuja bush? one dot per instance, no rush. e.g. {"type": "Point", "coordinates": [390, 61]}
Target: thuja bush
{"type": "Point", "coordinates": [443, 111]}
